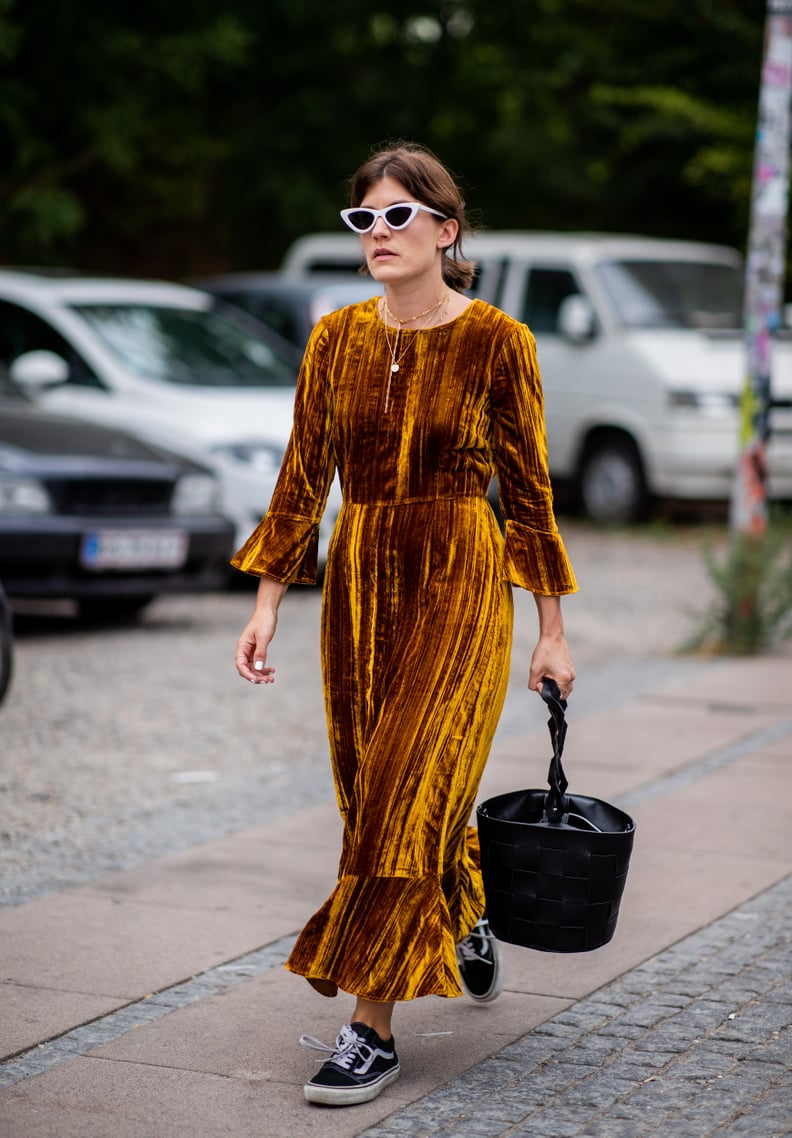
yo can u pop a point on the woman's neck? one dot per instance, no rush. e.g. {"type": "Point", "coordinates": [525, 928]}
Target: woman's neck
{"type": "Point", "coordinates": [411, 308]}
{"type": "Point", "coordinates": [413, 302]}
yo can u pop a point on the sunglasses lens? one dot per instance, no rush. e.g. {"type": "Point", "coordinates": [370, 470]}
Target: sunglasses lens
{"type": "Point", "coordinates": [397, 216]}
{"type": "Point", "coordinates": [360, 219]}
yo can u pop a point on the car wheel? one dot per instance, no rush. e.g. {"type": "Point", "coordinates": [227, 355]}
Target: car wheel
{"type": "Point", "coordinates": [6, 644]}
{"type": "Point", "coordinates": [107, 610]}
{"type": "Point", "coordinates": [612, 482]}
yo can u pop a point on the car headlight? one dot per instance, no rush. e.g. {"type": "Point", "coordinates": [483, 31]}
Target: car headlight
{"type": "Point", "coordinates": [196, 494]}
{"type": "Point", "coordinates": [707, 402]}
{"type": "Point", "coordinates": [23, 496]}
{"type": "Point", "coordinates": [263, 457]}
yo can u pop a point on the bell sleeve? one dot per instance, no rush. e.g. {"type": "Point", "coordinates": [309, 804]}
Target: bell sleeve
{"type": "Point", "coordinates": [534, 554]}
{"type": "Point", "coordinates": [285, 543]}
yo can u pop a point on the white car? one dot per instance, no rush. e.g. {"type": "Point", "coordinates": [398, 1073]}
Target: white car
{"type": "Point", "coordinates": [166, 362]}
{"type": "Point", "coordinates": [642, 354]}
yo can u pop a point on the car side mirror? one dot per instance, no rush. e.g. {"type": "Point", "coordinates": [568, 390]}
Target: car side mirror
{"type": "Point", "coordinates": [38, 370]}
{"type": "Point", "coordinates": [576, 319]}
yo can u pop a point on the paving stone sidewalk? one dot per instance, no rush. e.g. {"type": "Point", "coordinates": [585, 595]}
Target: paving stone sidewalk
{"type": "Point", "coordinates": [694, 1043]}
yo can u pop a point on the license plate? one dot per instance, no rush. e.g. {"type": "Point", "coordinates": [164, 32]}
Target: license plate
{"type": "Point", "coordinates": [134, 549]}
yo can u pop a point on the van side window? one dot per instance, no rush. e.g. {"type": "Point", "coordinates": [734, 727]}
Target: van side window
{"type": "Point", "coordinates": [545, 290]}
{"type": "Point", "coordinates": [24, 331]}
{"type": "Point", "coordinates": [488, 280]}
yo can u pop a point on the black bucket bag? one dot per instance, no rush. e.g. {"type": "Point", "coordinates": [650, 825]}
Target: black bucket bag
{"type": "Point", "coordinates": [554, 864]}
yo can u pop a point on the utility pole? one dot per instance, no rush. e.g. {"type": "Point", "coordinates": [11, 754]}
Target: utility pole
{"type": "Point", "coordinates": [764, 275]}
{"type": "Point", "coordinates": [764, 284]}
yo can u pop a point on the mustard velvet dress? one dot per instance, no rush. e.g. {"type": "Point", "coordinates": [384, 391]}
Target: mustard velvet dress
{"type": "Point", "coordinates": [417, 618]}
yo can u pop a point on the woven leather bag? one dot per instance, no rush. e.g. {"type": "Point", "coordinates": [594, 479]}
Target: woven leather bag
{"type": "Point", "coordinates": [554, 864]}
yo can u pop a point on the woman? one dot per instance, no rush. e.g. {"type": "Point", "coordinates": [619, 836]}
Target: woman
{"type": "Point", "coordinates": [417, 398]}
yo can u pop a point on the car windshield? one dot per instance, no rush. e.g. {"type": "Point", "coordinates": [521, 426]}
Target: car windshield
{"type": "Point", "coordinates": [186, 346]}
{"type": "Point", "coordinates": [8, 389]}
{"type": "Point", "coordinates": [674, 294]}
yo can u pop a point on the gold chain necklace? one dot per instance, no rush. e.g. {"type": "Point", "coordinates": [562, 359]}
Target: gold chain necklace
{"type": "Point", "coordinates": [409, 319]}
{"type": "Point", "coordinates": [393, 348]}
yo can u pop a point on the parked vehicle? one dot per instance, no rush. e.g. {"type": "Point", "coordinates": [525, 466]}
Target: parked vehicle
{"type": "Point", "coordinates": [171, 364]}
{"type": "Point", "coordinates": [94, 515]}
{"type": "Point", "coordinates": [289, 307]}
{"type": "Point", "coordinates": [642, 354]}
{"type": "Point", "coordinates": [322, 256]}
{"type": "Point", "coordinates": [6, 644]}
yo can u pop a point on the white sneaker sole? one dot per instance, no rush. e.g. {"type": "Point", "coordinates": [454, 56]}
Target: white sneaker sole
{"type": "Point", "coordinates": [350, 1096]}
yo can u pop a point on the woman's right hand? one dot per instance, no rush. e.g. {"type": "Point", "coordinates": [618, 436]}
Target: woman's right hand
{"type": "Point", "coordinates": [252, 646]}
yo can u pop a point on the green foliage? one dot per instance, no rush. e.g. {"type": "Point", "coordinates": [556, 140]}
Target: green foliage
{"type": "Point", "coordinates": [190, 136]}
{"type": "Point", "coordinates": [46, 213]}
{"type": "Point", "coordinates": [753, 604]}
{"type": "Point", "coordinates": [108, 125]}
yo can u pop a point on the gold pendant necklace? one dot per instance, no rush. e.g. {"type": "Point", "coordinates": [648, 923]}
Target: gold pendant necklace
{"type": "Point", "coordinates": [393, 348]}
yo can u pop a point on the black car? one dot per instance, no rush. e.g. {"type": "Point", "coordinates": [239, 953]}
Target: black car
{"type": "Point", "coordinates": [6, 644]}
{"type": "Point", "coordinates": [93, 515]}
{"type": "Point", "coordinates": [288, 307]}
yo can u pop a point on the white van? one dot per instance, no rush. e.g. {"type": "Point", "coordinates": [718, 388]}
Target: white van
{"type": "Point", "coordinates": [642, 354]}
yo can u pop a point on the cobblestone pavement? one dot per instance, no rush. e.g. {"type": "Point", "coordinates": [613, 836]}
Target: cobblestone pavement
{"type": "Point", "coordinates": [694, 1043]}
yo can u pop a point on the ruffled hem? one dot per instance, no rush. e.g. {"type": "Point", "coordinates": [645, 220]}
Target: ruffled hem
{"type": "Point", "coordinates": [383, 939]}
{"type": "Point", "coordinates": [537, 561]}
{"type": "Point", "coordinates": [283, 547]}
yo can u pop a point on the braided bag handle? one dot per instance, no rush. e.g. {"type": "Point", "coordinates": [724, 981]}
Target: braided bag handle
{"type": "Point", "coordinates": [555, 802]}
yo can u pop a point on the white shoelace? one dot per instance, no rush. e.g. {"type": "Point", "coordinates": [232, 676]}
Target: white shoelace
{"type": "Point", "coordinates": [468, 949]}
{"type": "Point", "coordinates": [348, 1047]}
{"type": "Point", "coordinates": [469, 953]}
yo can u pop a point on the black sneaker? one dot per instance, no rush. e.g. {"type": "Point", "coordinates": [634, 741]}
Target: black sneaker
{"type": "Point", "coordinates": [480, 963]}
{"type": "Point", "coordinates": [360, 1066]}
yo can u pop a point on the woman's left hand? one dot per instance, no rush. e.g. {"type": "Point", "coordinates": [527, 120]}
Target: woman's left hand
{"type": "Point", "coordinates": [551, 658]}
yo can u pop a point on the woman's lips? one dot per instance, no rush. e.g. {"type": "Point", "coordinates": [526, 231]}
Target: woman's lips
{"type": "Point", "coordinates": [381, 253]}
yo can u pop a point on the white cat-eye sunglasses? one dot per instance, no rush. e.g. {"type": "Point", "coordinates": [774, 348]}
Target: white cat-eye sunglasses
{"type": "Point", "coordinates": [362, 219]}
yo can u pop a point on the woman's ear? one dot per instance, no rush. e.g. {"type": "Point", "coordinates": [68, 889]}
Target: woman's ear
{"type": "Point", "coordinates": [447, 233]}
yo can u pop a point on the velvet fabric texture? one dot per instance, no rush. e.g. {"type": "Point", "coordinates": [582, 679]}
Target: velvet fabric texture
{"type": "Point", "coordinates": [417, 617]}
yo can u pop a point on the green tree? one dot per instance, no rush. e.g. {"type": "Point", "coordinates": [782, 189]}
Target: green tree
{"type": "Point", "coordinates": [188, 137]}
{"type": "Point", "coordinates": [110, 130]}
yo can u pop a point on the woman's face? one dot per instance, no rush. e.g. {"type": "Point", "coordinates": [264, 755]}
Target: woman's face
{"type": "Point", "coordinates": [399, 255]}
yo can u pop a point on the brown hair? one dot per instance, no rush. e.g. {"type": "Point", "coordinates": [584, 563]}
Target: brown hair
{"type": "Point", "coordinates": [429, 182]}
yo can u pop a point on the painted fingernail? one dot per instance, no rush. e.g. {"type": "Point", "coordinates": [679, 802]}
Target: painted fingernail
{"type": "Point", "coordinates": [259, 665]}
